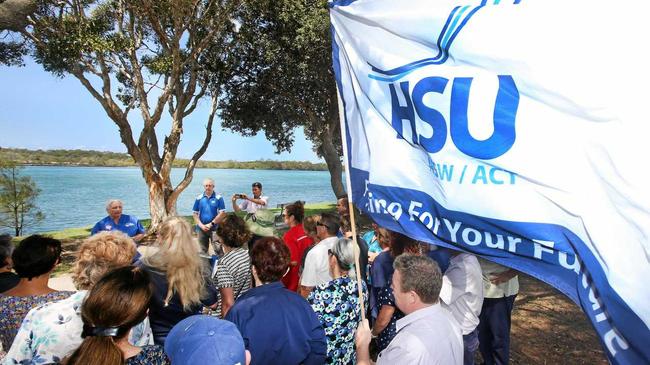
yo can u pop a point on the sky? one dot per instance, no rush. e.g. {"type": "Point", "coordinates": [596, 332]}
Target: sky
{"type": "Point", "coordinates": [41, 111]}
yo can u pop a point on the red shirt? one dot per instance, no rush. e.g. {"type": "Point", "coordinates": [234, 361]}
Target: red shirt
{"type": "Point", "coordinates": [297, 241]}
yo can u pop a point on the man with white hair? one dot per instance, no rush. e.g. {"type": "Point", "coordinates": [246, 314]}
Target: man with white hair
{"type": "Point", "coordinates": [116, 221]}
{"type": "Point", "coordinates": [209, 210]}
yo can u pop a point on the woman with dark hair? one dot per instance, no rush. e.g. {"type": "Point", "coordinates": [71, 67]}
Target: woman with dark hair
{"type": "Point", "coordinates": [33, 260]}
{"type": "Point", "coordinates": [337, 303]}
{"type": "Point", "coordinates": [278, 325]}
{"type": "Point", "coordinates": [296, 240]}
{"type": "Point", "coordinates": [384, 327]}
{"type": "Point", "coordinates": [233, 273]}
{"type": "Point", "coordinates": [8, 279]}
{"type": "Point", "coordinates": [117, 303]}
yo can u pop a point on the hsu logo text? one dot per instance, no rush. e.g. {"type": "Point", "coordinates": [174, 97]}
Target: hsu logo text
{"type": "Point", "coordinates": [412, 105]}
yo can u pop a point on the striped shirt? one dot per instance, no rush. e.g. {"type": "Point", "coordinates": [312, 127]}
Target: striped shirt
{"type": "Point", "coordinates": [233, 271]}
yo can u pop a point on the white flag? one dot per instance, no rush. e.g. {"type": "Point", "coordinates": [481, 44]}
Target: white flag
{"type": "Point", "coordinates": [517, 131]}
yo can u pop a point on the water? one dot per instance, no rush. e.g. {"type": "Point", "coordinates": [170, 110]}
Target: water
{"type": "Point", "coordinates": [76, 196]}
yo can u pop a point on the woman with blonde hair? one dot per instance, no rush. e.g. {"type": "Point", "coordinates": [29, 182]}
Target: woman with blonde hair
{"type": "Point", "coordinates": [114, 305]}
{"type": "Point", "coordinates": [181, 278]}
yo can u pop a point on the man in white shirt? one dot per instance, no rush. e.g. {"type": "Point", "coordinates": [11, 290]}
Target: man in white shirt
{"type": "Point", "coordinates": [500, 287]}
{"type": "Point", "coordinates": [429, 334]}
{"type": "Point", "coordinates": [317, 270]}
{"type": "Point", "coordinates": [462, 295]}
{"type": "Point", "coordinates": [251, 205]}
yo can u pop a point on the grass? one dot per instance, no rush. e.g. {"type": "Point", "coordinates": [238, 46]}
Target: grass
{"type": "Point", "coordinates": [70, 234]}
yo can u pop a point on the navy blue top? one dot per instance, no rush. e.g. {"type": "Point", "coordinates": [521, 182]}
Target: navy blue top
{"type": "Point", "coordinates": [441, 256]}
{"type": "Point", "coordinates": [163, 317]}
{"type": "Point", "coordinates": [208, 207]}
{"type": "Point", "coordinates": [279, 326]}
{"type": "Point", "coordinates": [127, 224]}
{"type": "Point", "coordinates": [381, 275]}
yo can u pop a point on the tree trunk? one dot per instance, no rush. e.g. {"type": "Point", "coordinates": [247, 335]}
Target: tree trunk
{"type": "Point", "coordinates": [333, 161]}
{"type": "Point", "coordinates": [162, 203]}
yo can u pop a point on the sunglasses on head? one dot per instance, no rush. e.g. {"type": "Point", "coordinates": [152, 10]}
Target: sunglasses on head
{"type": "Point", "coordinates": [342, 265]}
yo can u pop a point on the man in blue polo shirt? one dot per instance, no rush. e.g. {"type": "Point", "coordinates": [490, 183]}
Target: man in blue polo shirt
{"type": "Point", "coordinates": [118, 221]}
{"type": "Point", "coordinates": [209, 210]}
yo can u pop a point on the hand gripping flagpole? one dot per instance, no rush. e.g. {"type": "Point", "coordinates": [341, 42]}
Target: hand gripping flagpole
{"type": "Point", "coordinates": [348, 182]}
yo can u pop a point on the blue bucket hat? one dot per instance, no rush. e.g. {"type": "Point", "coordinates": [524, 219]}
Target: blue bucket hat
{"type": "Point", "coordinates": [205, 339]}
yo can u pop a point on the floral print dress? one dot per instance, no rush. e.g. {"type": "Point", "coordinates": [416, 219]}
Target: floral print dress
{"type": "Point", "coordinates": [337, 305]}
{"type": "Point", "coordinates": [14, 309]}
{"type": "Point", "coordinates": [149, 355]}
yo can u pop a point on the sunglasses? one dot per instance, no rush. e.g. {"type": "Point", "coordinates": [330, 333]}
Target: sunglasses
{"type": "Point", "coordinates": [342, 265]}
{"type": "Point", "coordinates": [322, 224]}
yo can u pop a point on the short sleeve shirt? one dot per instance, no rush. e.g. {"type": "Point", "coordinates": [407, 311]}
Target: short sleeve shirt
{"type": "Point", "coordinates": [209, 207]}
{"type": "Point", "coordinates": [462, 290]}
{"type": "Point", "coordinates": [127, 224]}
{"type": "Point", "coordinates": [298, 242]}
{"type": "Point", "coordinates": [233, 271]}
{"type": "Point", "coordinates": [316, 271]}
{"type": "Point", "coordinates": [251, 207]}
{"type": "Point", "coordinates": [386, 297]}
{"type": "Point", "coordinates": [337, 306]}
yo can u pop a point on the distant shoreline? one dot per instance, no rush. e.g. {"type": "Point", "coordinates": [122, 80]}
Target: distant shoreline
{"type": "Point", "coordinates": [89, 158]}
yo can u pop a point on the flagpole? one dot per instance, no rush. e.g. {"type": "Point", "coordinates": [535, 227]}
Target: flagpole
{"type": "Point", "coordinates": [348, 183]}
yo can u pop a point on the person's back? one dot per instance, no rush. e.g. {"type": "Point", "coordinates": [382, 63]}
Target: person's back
{"type": "Point", "coordinates": [278, 326]}
{"type": "Point", "coordinates": [117, 303]}
{"type": "Point", "coordinates": [34, 259]}
{"type": "Point", "coordinates": [275, 323]}
{"type": "Point", "coordinates": [233, 271]}
{"type": "Point", "coordinates": [165, 313]}
{"type": "Point", "coordinates": [180, 277]}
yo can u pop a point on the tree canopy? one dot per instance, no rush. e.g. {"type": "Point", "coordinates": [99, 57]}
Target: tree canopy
{"type": "Point", "coordinates": [148, 57]}
{"type": "Point", "coordinates": [282, 78]}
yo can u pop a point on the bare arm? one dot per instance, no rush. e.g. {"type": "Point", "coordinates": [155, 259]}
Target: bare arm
{"type": "Point", "coordinates": [220, 217]}
{"type": "Point", "coordinates": [227, 300]}
{"type": "Point", "coordinates": [305, 290]}
{"type": "Point", "coordinates": [503, 276]}
{"type": "Point", "coordinates": [235, 206]}
{"type": "Point", "coordinates": [362, 342]}
{"type": "Point", "coordinates": [138, 237]}
{"type": "Point", "coordinates": [197, 221]}
{"type": "Point", "coordinates": [383, 319]}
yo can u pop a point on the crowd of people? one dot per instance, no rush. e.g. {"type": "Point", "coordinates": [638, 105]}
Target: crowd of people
{"type": "Point", "coordinates": [220, 293]}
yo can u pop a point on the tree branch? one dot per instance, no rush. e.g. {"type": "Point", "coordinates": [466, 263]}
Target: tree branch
{"type": "Point", "coordinates": [189, 171]}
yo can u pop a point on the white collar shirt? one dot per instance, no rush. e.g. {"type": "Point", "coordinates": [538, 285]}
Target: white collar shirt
{"type": "Point", "coordinates": [462, 290]}
{"type": "Point", "coordinates": [428, 336]}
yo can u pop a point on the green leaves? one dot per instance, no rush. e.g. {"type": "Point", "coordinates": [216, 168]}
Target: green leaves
{"type": "Point", "coordinates": [18, 195]}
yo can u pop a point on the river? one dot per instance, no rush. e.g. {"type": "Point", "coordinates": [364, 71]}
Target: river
{"type": "Point", "coordinates": [76, 196]}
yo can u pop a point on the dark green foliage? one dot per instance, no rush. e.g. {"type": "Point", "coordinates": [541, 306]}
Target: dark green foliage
{"type": "Point", "coordinates": [282, 72]}
{"type": "Point", "coordinates": [113, 159]}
